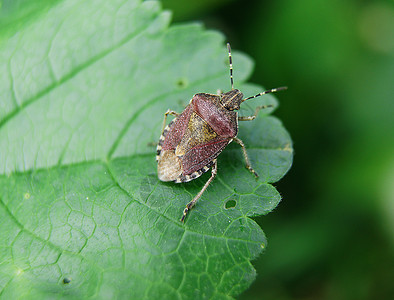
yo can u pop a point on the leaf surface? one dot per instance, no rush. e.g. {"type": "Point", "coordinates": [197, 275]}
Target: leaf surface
{"type": "Point", "coordinates": [83, 90]}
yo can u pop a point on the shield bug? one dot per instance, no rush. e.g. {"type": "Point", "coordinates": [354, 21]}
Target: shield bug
{"type": "Point", "coordinates": [190, 144]}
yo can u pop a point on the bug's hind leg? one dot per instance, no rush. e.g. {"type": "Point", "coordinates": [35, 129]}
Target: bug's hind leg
{"type": "Point", "coordinates": [248, 166]}
{"type": "Point", "coordinates": [168, 112]}
{"type": "Point", "coordinates": [190, 205]}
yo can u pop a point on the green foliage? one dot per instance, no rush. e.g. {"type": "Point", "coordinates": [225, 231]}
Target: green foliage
{"type": "Point", "coordinates": [83, 89]}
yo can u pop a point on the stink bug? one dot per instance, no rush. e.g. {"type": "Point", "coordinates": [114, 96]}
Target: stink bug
{"type": "Point", "coordinates": [191, 143]}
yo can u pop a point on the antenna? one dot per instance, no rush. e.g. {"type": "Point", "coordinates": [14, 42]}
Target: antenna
{"type": "Point", "coordinates": [231, 65]}
{"type": "Point", "coordinates": [282, 88]}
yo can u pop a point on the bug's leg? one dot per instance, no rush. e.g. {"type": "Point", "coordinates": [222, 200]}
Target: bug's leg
{"type": "Point", "coordinates": [248, 166]}
{"type": "Point", "coordinates": [193, 202]}
{"type": "Point", "coordinates": [250, 118]}
{"type": "Point", "coordinates": [168, 112]}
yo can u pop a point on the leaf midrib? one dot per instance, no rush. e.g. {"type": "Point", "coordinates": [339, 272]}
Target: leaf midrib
{"type": "Point", "coordinates": [179, 224]}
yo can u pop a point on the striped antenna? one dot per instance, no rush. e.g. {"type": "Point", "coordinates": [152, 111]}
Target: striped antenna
{"type": "Point", "coordinates": [231, 65]}
{"type": "Point", "coordinates": [282, 88]}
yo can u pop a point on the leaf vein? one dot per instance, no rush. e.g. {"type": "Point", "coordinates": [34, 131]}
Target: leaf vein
{"type": "Point", "coordinates": [71, 74]}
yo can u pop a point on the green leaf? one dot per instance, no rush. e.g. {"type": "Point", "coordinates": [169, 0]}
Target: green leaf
{"type": "Point", "coordinates": [83, 89]}
{"type": "Point", "coordinates": [14, 14]}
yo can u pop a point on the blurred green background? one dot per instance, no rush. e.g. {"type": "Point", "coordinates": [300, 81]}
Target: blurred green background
{"type": "Point", "coordinates": [332, 237]}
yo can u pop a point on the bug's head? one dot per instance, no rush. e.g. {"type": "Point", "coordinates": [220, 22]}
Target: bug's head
{"type": "Point", "coordinates": [232, 99]}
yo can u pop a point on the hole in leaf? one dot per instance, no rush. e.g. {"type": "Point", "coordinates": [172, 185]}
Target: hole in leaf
{"type": "Point", "coordinates": [181, 83]}
{"type": "Point", "coordinates": [230, 204]}
{"type": "Point", "coordinates": [66, 280]}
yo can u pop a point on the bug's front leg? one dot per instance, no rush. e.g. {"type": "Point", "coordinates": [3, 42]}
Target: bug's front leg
{"type": "Point", "coordinates": [190, 205]}
{"type": "Point", "coordinates": [250, 118]}
{"type": "Point", "coordinates": [168, 112]}
{"type": "Point", "coordinates": [248, 166]}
